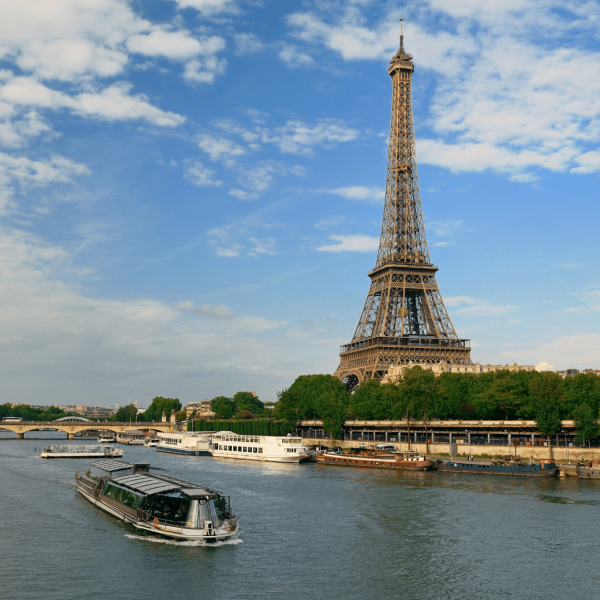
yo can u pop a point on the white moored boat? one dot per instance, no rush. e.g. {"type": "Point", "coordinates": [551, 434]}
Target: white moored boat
{"type": "Point", "coordinates": [149, 499]}
{"type": "Point", "coordinates": [106, 437]}
{"type": "Point", "coordinates": [194, 444]}
{"type": "Point", "coordinates": [75, 451]}
{"type": "Point", "coordinates": [226, 444]}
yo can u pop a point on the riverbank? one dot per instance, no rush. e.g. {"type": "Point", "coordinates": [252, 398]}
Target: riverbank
{"type": "Point", "coordinates": [560, 453]}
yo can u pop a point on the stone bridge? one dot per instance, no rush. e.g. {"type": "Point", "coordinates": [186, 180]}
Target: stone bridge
{"type": "Point", "coordinates": [73, 427]}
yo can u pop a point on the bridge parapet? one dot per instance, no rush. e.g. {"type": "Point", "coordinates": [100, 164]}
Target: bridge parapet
{"type": "Point", "coordinates": [72, 427]}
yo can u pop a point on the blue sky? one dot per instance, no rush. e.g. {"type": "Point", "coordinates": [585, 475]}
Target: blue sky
{"type": "Point", "coordinates": [191, 191]}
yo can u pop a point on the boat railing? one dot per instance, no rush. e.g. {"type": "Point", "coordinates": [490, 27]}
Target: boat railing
{"type": "Point", "coordinates": [146, 517]}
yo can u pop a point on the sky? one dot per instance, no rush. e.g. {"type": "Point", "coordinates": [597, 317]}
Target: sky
{"type": "Point", "coordinates": [191, 191]}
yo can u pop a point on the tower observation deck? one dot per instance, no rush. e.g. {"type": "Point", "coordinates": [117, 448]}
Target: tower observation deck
{"type": "Point", "coordinates": [404, 319]}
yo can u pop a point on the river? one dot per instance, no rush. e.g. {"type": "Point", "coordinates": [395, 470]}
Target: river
{"type": "Point", "coordinates": [308, 531]}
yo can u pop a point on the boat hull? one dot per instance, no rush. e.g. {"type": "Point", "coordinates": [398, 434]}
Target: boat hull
{"type": "Point", "coordinates": [190, 452]}
{"type": "Point", "coordinates": [588, 472]}
{"type": "Point", "coordinates": [260, 457]}
{"type": "Point", "coordinates": [181, 533]}
{"type": "Point", "coordinates": [79, 455]}
{"type": "Point", "coordinates": [376, 462]}
{"type": "Point", "coordinates": [517, 471]}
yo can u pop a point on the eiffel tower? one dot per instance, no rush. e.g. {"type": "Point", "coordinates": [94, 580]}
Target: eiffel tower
{"type": "Point", "coordinates": [404, 319]}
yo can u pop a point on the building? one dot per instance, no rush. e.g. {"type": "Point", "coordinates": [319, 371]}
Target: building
{"type": "Point", "coordinates": [397, 371]}
{"type": "Point", "coordinates": [202, 409]}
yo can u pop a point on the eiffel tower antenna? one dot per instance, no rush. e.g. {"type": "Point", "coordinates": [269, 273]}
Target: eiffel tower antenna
{"type": "Point", "coordinates": [404, 319]}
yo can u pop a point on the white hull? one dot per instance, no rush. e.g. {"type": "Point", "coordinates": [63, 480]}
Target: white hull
{"type": "Point", "coordinates": [181, 533]}
{"type": "Point", "coordinates": [258, 457]}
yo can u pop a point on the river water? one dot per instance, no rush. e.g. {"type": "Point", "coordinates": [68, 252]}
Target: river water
{"type": "Point", "coordinates": [308, 531]}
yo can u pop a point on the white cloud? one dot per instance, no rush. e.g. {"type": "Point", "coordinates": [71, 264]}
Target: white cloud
{"type": "Point", "coordinates": [262, 246]}
{"type": "Point", "coordinates": [296, 137]}
{"type": "Point", "coordinates": [113, 103]}
{"type": "Point", "coordinates": [55, 339]}
{"type": "Point", "coordinates": [545, 366]}
{"type": "Point", "coordinates": [219, 148]}
{"type": "Point", "coordinates": [227, 318]}
{"type": "Point", "coordinates": [351, 243]}
{"type": "Point", "coordinates": [247, 43]}
{"type": "Point", "coordinates": [472, 307]}
{"type": "Point", "coordinates": [201, 176]}
{"type": "Point", "coordinates": [204, 71]}
{"type": "Point", "coordinates": [176, 45]}
{"type": "Point", "coordinates": [580, 351]}
{"type": "Point", "coordinates": [293, 58]}
{"type": "Point", "coordinates": [207, 310]}
{"type": "Point", "coordinates": [243, 194]}
{"type": "Point", "coordinates": [504, 100]}
{"type": "Point", "coordinates": [209, 7]}
{"type": "Point", "coordinates": [359, 192]}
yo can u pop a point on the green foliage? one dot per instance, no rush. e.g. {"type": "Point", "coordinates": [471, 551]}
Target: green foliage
{"type": "Point", "coordinates": [180, 415]}
{"type": "Point", "coordinates": [546, 391]}
{"type": "Point", "coordinates": [310, 396]}
{"type": "Point", "coordinates": [126, 413]}
{"type": "Point", "coordinates": [245, 401]}
{"type": "Point", "coordinates": [155, 410]}
{"type": "Point", "coordinates": [586, 424]}
{"type": "Point", "coordinates": [222, 407]}
{"type": "Point", "coordinates": [31, 414]}
{"type": "Point", "coordinates": [243, 427]}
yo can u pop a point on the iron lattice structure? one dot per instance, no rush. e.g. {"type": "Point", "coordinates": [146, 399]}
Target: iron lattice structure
{"type": "Point", "coordinates": [404, 319]}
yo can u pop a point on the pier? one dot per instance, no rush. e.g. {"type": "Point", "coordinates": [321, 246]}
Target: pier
{"type": "Point", "coordinates": [73, 427]}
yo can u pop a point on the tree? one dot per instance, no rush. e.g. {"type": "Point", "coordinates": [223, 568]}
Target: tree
{"type": "Point", "coordinates": [547, 394]}
{"type": "Point", "coordinates": [222, 407]}
{"type": "Point", "coordinates": [313, 396]}
{"type": "Point", "coordinates": [246, 401]}
{"type": "Point", "coordinates": [421, 393]}
{"type": "Point", "coordinates": [180, 415]}
{"type": "Point", "coordinates": [160, 404]}
{"type": "Point", "coordinates": [586, 424]}
{"type": "Point", "coordinates": [125, 413]}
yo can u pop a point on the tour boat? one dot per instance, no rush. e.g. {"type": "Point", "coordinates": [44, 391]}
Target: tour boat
{"type": "Point", "coordinates": [151, 442]}
{"type": "Point", "coordinates": [226, 444]}
{"type": "Point", "coordinates": [541, 468]}
{"type": "Point", "coordinates": [106, 437]}
{"type": "Point", "coordinates": [152, 501]}
{"type": "Point", "coordinates": [76, 451]}
{"type": "Point", "coordinates": [194, 444]}
{"type": "Point", "coordinates": [379, 459]}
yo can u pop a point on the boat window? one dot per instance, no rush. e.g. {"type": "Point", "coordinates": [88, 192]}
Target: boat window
{"type": "Point", "coordinates": [123, 496]}
{"type": "Point", "coordinates": [260, 450]}
{"type": "Point", "coordinates": [255, 450]}
{"type": "Point", "coordinates": [245, 449]}
{"type": "Point", "coordinates": [229, 448]}
{"type": "Point", "coordinates": [167, 508]}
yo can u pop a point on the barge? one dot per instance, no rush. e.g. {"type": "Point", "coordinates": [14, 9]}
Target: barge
{"type": "Point", "coordinates": [412, 461]}
{"type": "Point", "coordinates": [151, 500]}
{"type": "Point", "coordinates": [587, 470]}
{"type": "Point", "coordinates": [542, 468]}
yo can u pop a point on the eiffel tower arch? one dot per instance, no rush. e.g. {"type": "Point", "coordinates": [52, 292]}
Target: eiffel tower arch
{"type": "Point", "coordinates": [404, 319]}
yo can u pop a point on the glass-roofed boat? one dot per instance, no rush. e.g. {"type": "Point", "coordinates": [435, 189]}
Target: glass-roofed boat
{"type": "Point", "coordinates": [150, 499]}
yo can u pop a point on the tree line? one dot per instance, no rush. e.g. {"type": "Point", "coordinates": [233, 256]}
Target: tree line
{"type": "Point", "coordinates": [31, 414]}
{"type": "Point", "coordinates": [545, 397]}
